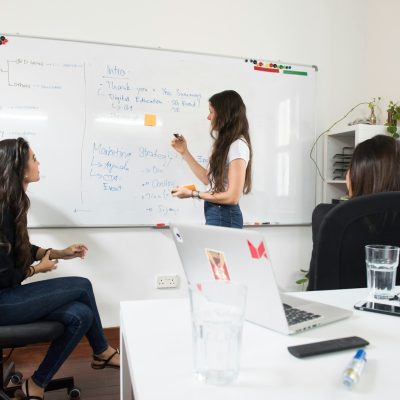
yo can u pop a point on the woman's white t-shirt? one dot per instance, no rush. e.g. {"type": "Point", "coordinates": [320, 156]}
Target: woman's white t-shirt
{"type": "Point", "coordinates": [239, 149]}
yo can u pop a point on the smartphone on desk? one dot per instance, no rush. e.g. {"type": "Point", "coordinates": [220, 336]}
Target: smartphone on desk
{"type": "Point", "coordinates": [389, 309]}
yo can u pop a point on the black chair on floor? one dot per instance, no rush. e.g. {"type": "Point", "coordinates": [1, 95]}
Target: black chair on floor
{"type": "Point", "coordinates": [345, 230]}
{"type": "Point", "coordinates": [13, 336]}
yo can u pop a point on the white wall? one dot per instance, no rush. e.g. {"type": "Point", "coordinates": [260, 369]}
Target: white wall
{"type": "Point", "coordinates": [383, 55]}
{"type": "Point", "coordinates": [332, 34]}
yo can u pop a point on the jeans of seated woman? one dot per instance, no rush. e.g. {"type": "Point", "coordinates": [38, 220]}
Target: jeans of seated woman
{"type": "Point", "coordinates": [223, 215]}
{"type": "Point", "coordinates": [69, 300]}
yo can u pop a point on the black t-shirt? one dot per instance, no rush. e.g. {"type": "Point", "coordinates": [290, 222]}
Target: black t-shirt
{"type": "Point", "coordinates": [10, 274]}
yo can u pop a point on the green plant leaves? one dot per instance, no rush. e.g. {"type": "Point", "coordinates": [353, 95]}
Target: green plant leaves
{"type": "Point", "coordinates": [393, 116]}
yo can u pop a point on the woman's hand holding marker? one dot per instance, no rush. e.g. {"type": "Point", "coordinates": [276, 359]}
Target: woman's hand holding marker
{"type": "Point", "coordinates": [179, 143]}
{"type": "Point", "coordinates": [178, 136]}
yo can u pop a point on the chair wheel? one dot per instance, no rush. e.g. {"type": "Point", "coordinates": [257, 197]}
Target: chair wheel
{"type": "Point", "coordinates": [74, 393]}
{"type": "Point", "coordinates": [16, 378]}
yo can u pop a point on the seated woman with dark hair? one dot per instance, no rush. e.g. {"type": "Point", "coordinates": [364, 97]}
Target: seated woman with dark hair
{"type": "Point", "coordinates": [69, 300]}
{"type": "Point", "coordinates": [374, 168]}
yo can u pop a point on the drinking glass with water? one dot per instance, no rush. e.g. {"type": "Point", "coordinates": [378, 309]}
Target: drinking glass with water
{"type": "Point", "coordinates": [217, 318]}
{"type": "Point", "coordinates": [382, 262]}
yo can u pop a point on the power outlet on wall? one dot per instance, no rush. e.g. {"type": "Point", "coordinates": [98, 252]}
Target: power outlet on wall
{"type": "Point", "coordinates": [167, 281]}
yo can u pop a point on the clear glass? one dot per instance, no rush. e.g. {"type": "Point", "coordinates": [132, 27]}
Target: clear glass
{"type": "Point", "coordinates": [382, 262]}
{"type": "Point", "coordinates": [218, 309]}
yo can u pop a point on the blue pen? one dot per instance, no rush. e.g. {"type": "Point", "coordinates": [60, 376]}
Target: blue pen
{"type": "Point", "coordinates": [353, 371]}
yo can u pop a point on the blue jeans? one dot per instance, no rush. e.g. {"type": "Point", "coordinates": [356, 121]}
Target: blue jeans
{"type": "Point", "coordinates": [69, 300]}
{"type": "Point", "coordinates": [223, 215]}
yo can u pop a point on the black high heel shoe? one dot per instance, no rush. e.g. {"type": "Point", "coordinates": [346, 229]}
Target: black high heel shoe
{"type": "Point", "coordinates": [22, 394]}
{"type": "Point", "coordinates": [101, 363]}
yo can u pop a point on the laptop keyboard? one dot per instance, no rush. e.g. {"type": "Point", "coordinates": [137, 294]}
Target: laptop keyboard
{"type": "Point", "coordinates": [295, 315]}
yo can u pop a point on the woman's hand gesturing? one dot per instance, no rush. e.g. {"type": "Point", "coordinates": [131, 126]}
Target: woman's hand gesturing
{"type": "Point", "coordinates": [45, 264]}
{"type": "Point", "coordinates": [74, 251]}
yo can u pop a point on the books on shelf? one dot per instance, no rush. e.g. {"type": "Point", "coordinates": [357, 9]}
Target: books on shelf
{"type": "Point", "coordinates": [341, 162]}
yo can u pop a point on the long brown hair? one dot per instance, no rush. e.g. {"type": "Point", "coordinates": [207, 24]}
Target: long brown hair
{"type": "Point", "coordinates": [375, 166]}
{"type": "Point", "coordinates": [14, 155]}
{"type": "Point", "coordinates": [230, 124]}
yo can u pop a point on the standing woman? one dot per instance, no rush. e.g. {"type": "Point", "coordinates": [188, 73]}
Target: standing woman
{"type": "Point", "coordinates": [229, 171]}
{"type": "Point", "coordinates": [69, 300]}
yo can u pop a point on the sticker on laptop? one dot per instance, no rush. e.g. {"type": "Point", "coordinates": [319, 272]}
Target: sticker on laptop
{"type": "Point", "coordinates": [217, 262]}
{"type": "Point", "coordinates": [257, 251]}
{"type": "Point", "coordinates": [178, 235]}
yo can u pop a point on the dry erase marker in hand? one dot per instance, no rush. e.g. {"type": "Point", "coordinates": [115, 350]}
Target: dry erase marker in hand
{"type": "Point", "coordinates": [178, 136]}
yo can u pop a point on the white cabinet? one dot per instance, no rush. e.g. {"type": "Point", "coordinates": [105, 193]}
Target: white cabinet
{"type": "Point", "coordinates": [337, 143]}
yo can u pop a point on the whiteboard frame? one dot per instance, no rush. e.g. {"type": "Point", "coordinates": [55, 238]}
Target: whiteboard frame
{"type": "Point", "coordinates": [256, 225]}
{"type": "Point", "coordinates": [315, 67]}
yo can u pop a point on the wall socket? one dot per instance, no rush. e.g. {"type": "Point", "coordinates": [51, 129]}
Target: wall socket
{"type": "Point", "coordinates": [167, 281]}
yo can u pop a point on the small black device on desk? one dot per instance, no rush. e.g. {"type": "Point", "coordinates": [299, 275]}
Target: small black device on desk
{"type": "Point", "coordinates": [327, 346]}
{"type": "Point", "coordinates": [389, 309]}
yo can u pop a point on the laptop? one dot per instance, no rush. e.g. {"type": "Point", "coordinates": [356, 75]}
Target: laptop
{"type": "Point", "coordinates": [241, 255]}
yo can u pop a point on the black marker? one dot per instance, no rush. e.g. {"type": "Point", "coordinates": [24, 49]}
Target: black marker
{"type": "Point", "coordinates": [178, 136]}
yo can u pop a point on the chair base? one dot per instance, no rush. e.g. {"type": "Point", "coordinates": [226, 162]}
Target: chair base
{"type": "Point", "coordinates": [55, 384]}
{"type": "Point", "coordinates": [61, 383]}
{"type": "Point", "coordinates": [12, 336]}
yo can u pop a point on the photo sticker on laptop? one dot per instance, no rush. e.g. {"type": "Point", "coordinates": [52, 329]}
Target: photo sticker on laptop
{"type": "Point", "coordinates": [217, 262]}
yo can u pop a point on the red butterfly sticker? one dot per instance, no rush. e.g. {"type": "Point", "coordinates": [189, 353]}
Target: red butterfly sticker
{"type": "Point", "coordinates": [257, 252]}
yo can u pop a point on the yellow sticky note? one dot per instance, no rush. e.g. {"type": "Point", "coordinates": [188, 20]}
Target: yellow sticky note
{"type": "Point", "coordinates": [150, 119]}
{"type": "Point", "coordinates": [190, 187]}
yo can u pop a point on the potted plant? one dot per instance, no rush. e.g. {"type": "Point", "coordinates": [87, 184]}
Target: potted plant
{"type": "Point", "coordinates": [393, 111]}
{"type": "Point", "coordinates": [371, 105]}
{"type": "Point", "coordinates": [303, 281]}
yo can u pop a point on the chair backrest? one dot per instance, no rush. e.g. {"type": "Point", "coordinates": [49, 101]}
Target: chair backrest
{"type": "Point", "coordinates": [344, 232]}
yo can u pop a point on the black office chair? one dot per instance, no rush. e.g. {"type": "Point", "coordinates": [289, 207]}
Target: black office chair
{"type": "Point", "coordinates": [339, 261]}
{"type": "Point", "coordinates": [13, 336]}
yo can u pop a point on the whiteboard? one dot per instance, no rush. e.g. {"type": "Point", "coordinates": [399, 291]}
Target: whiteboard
{"type": "Point", "coordinates": [100, 119]}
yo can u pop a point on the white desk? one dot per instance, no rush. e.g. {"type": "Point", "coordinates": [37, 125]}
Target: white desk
{"type": "Point", "coordinates": [157, 356]}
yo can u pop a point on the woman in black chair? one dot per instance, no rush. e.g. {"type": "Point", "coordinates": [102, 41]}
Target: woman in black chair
{"type": "Point", "coordinates": [69, 300]}
{"type": "Point", "coordinates": [374, 168]}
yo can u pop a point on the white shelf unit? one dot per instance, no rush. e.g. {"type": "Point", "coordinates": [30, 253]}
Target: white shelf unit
{"type": "Point", "coordinates": [333, 144]}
